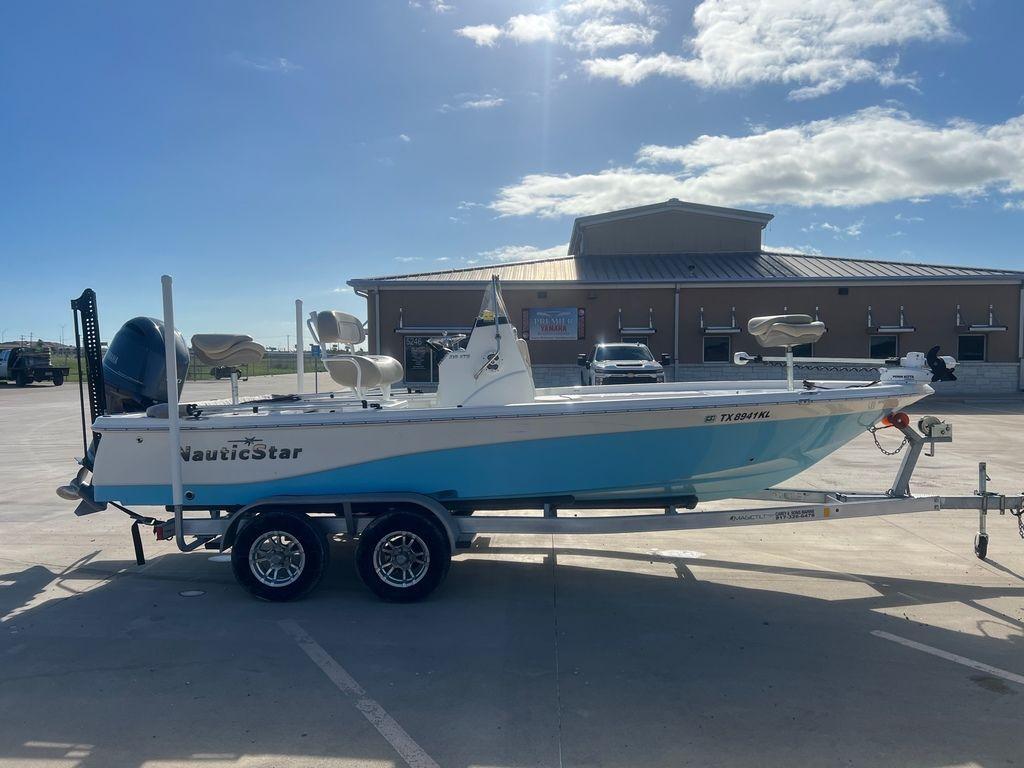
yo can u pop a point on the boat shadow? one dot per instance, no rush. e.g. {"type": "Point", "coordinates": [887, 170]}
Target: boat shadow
{"type": "Point", "coordinates": [527, 655]}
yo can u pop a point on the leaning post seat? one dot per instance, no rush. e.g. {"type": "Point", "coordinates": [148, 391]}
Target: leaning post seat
{"type": "Point", "coordinates": [358, 372]}
{"type": "Point", "coordinates": [785, 330]}
{"type": "Point", "coordinates": [226, 349]}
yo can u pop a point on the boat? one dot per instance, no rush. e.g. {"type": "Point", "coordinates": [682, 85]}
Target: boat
{"type": "Point", "coordinates": [488, 436]}
{"type": "Point", "coordinates": [404, 473]}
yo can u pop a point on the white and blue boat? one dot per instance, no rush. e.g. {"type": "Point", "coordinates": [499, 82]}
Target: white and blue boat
{"type": "Point", "coordinates": [489, 437]}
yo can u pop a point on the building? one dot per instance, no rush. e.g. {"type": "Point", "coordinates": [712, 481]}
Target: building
{"type": "Point", "coordinates": [684, 279]}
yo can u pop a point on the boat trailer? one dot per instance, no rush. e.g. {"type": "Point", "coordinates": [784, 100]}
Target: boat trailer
{"type": "Point", "coordinates": [371, 518]}
{"type": "Point", "coordinates": [279, 545]}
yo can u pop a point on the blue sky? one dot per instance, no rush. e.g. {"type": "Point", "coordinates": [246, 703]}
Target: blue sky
{"type": "Point", "coordinates": [261, 152]}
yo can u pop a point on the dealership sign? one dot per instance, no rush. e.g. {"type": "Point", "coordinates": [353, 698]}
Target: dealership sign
{"type": "Point", "coordinates": [553, 323]}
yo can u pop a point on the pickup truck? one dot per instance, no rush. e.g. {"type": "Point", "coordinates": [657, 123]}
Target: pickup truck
{"type": "Point", "coordinates": [25, 364]}
{"type": "Point", "coordinates": [621, 363]}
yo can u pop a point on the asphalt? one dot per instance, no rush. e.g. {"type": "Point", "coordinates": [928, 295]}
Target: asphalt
{"type": "Point", "coordinates": [746, 647]}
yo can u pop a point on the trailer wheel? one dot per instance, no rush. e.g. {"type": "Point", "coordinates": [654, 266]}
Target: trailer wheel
{"type": "Point", "coordinates": [21, 379]}
{"type": "Point", "coordinates": [58, 378]}
{"type": "Point", "coordinates": [402, 557]}
{"type": "Point", "coordinates": [279, 556]}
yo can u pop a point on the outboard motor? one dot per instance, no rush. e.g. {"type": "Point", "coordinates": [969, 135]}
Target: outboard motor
{"type": "Point", "coordinates": [134, 367]}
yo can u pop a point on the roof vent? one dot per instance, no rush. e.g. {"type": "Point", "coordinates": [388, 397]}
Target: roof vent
{"type": "Point", "coordinates": [673, 199]}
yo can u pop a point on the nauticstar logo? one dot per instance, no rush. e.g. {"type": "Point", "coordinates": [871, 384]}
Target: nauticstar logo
{"type": "Point", "coordinates": [246, 449]}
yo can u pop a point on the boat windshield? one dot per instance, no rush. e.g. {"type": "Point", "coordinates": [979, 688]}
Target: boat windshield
{"type": "Point", "coordinates": [637, 352]}
{"type": "Point", "coordinates": [492, 308]}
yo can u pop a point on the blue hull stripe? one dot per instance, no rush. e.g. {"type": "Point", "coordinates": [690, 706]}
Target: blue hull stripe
{"type": "Point", "coordinates": [708, 461]}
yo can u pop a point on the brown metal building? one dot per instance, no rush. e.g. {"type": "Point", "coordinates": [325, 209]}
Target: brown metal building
{"type": "Point", "coordinates": [684, 279]}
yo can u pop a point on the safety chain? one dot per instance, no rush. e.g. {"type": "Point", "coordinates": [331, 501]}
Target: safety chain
{"type": "Point", "coordinates": [874, 435]}
{"type": "Point", "coordinates": [1019, 514]}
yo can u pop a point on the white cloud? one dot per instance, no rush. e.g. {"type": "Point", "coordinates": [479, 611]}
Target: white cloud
{"type": "Point", "coordinates": [404, 137]}
{"type": "Point", "coordinates": [485, 35]}
{"type": "Point", "coordinates": [471, 101]}
{"type": "Point", "coordinates": [588, 25]}
{"type": "Point", "coordinates": [817, 45]}
{"type": "Point", "coordinates": [533, 27]}
{"type": "Point", "coordinates": [908, 219]}
{"type": "Point", "coordinates": [873, 156]}
{"type": "Point", "coordinates": [341, 289]}
{"type": "Point", "coordinates": [277, 64]}
{"type": "Point", "coordinates": [604, 7]}
{"type": "Point", "coordinates": [852, 230]}
{"type": "Point", "coordinates": [799, 250]}
{"type": "Point", "coordinates": [594, 34]}
{"type": "Point", "coordinates": [407, 259]}
{"type": "Point", "coordinates": [1013, 205]}
{"type": "Point", "coordinates": [524, 253]}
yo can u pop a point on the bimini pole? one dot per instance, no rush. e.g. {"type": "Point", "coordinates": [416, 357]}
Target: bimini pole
{"type": "Point", "coordinates": [173, 427]}
{"type": "Point", "coordinates": [300, 360]}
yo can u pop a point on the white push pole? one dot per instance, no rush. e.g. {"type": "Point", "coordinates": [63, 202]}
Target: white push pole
{"type": "Point", "coordinates": [173, 427]}
{"type": "Point", "coordinates": [300, 360]}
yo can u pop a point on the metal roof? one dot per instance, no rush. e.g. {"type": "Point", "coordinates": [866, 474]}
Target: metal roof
{"type": "Point", "coordinates": [766, 266]}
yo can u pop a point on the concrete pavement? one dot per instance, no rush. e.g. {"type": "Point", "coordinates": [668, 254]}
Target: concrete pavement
{"type": "Point", "coordinates": [714, 648]}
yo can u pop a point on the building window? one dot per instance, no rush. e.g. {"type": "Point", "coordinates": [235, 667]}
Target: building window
{"type": "Point", "coordinates": [716, 349]}
{"type": "Point", "coordinates": [803, 350]}
{"type": "Point", "coordinates": [884, 347]}
{"type": "Point", "coordinates": [970, 348]}
{"type": "Point", "coordinates": [420, 361]}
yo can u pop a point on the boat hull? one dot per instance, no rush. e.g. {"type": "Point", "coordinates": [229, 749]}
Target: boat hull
{"type": "Point", "coordinates": [661, 451]}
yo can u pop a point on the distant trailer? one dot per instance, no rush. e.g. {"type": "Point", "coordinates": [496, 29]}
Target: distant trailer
{"type": "Point", "coordinates": [23, 365]}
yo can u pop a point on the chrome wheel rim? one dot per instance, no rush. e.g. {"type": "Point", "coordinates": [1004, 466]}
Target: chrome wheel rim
{"type": "Point", "coordinates": [401, 559]}
{"type": "Point", "coordinates": [277, 559]}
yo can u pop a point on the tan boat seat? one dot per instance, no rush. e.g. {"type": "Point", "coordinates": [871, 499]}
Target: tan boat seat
{"type": "Point", "coordinates": [785, 330]}
{"type": "Point", "coordinates": [373, 370]}
{"type": "Point", "coordinates": [333, 327]}
{"type": "Point", "coordinates": [227, 349]}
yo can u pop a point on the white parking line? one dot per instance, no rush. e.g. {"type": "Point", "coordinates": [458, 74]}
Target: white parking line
{"type": "Point", "coordinates": [411, 752]}
{"type": "Point", "coordinates": [1011, 676]}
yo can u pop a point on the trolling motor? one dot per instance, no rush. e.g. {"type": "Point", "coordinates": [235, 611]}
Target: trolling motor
{"type": "Point", "coordinates": [941, 366]}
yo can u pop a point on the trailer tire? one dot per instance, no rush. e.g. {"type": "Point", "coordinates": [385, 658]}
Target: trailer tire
{"type": "Point", "coordinates": [58, 379]}
{"type": "Point", "coordinates": [403, 556]}
{"type": "Point", "coordinates": [21, 379]}
{"type": "Point", "coordinates": [279, 556]}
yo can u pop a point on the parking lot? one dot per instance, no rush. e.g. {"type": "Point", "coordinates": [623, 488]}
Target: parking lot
{"type": "Point", "coordinates": [879, 641]}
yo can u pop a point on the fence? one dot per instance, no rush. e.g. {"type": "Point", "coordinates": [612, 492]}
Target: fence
{"type": "Point", "coordinates": [272, 364]}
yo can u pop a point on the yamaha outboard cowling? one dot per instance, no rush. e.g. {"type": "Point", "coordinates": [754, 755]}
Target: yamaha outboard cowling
{"type": "Point", "coordinates": [134, 367]}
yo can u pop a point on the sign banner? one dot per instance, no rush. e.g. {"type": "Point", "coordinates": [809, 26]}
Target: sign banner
{"type": "Point", "coordinates": [554, 323]}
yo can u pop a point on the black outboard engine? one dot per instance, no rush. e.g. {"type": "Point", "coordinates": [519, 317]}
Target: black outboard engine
{"type": "Point", "coordinates": [134, 367]}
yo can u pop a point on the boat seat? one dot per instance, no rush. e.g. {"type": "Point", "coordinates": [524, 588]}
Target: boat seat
{"type": "Point", "coordinates": [373, 370]}
{"type": "Point", "coordinates": [333, 327]}
{"type": "Point", "coordinates": [226, 349]}
{"type": "Point", "coordinates": [785, 330]}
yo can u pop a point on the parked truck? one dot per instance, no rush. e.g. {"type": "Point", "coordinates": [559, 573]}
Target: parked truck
{"type": "Point", "coordinates": [25, 364]}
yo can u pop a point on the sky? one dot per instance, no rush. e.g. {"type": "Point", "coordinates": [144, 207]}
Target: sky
{"type": "Point", "coordinates": [261, 152]}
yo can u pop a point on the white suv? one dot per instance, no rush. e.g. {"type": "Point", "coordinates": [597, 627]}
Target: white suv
{"type": "Point", "coordinates": [621, 364]}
